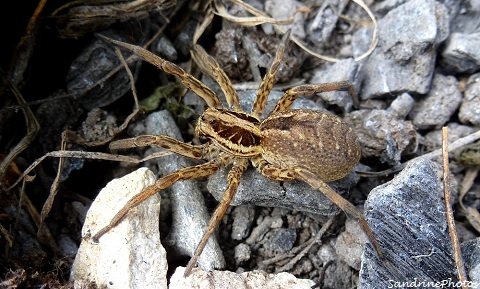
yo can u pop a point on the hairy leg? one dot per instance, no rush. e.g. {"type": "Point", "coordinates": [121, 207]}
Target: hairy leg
{"type": "Point", "coordinates": [166, 142]}
{"type": "Point", "coordinates": [310, 89]}
{"type": "Point", "coordinates": [208, 95]}
{"type": "Point", "coordinates": [199, 171]}
{"type": "Point", "coordinates": [269, 78]}
{"type": "Point", "coordinates": [233, 179]}
{"type": "Point", "coordinates": [210, 66]}
{"type": "Point", "coordinates": [338, 200]}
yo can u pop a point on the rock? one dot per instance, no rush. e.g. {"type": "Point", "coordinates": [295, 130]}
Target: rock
{"type": "Point", "coordinates": [325, 21]}
{"type": "Point", "coordinates": [433, 139]}
{"type": "Point", "coordinates": [440, 104]}
{"type": "Point", "coordinates": [338, 274]}
{"type": "Point", "coordinates": [230, 54]}
{"type": "Point", "coordinates": [258, 190]}
{"type": "Point", "coordinates": [407, 217]}
{"type": "Point", "coordinates": [189, 213]}
{"type": "Point", "coordinates": [131, 254]}
{"type": "Point", "coordinates": [460, 53]}
{"type": "Point", "coordinates": [404, 59]}
{"type": "Point", "coordinates": [346, 69]}
{"type": "Point", "coordinates": [280, 240]}
{"type": "Point", "coordinates": [402, 105]}
{"type": "Point", "coordinates": [67, 246]}
{"type": "Point", "coordinates": [470, 109]}
{"type": "Point", "coordinates": [286, 9]}
{"type": "Point", "coordinates": [350, 244]}
{"type": "Point", "coordinates": [226, 280]}
{"type": "Point", "coordinates": [383, 134]}
{"type": "Point", "coordinates": [164, 47]}
{"type": "Point", "coordinates": [471, 257]}
{"type": "Point", "coordinates": [94, 63]}
{"type": "Point", "coordinates": [243, 217]}
{"type": "Point", "coordinates": [262, 228]}
{"type": "Point", "coordinates": [183, 41]}
{"type": "Point", "coordinates": [99, 126]}
{"type": "Point", "coordinates": [242, 253]}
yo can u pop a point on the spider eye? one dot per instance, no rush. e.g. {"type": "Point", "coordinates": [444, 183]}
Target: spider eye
{"type": "Point", "coordinates": [212, 121]}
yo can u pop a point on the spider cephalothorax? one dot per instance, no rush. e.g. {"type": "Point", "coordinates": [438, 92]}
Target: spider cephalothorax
{"type": "Point", "coordinates": [311, 146]}
{"type": "Point", "coordinates": [235, 132]}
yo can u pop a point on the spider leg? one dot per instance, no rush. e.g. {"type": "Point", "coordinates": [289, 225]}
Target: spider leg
{"type": "Point", "coordinates": [310, 89]}
{"type": "Point", "coordinates": [210, 66]}
{"type": "Point", "coordinates": [195, 85]}
{"type": "Point", "coordinates": [233, 179]}
{"type": "Point", "coordinates": [348, 208]}
{"type": "Point", "coordinates": [194, 172]}
{"type": "Point", "coordinates": [338, 200]}
{"type": "Point", "coordinates": [166, 142]}
{"type": "Point", "coordinates": [341, 202]}
{"type": "Point", "coordinates": [269, 78]}
{"type": "Point", "coordinates": [272, 172]}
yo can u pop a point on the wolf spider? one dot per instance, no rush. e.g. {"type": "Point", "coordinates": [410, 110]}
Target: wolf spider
{"type": "Point", "coordinates": [311, 146]}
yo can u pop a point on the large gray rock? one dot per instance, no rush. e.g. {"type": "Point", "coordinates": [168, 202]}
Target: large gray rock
{"type": "Point", "coordinates": [404, 59]}
{"type": "Point", "coordinates": [407, 217]}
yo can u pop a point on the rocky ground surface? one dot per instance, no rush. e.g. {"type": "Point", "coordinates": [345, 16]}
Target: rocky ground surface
{"type": "Point", "coordinates": [422, 75]}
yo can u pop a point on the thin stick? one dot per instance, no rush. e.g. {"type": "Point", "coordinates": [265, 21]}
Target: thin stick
{"type": "Point", "coordinates": [315, 240]}
{"type": "Point", "coordinates": [461, 142]}
{"type": "Point", "coordinates": [457, 253]}
{"type": "Point", "coordinates": [47, 206]}
{"type": "Point", "coordinates": [87, 155]}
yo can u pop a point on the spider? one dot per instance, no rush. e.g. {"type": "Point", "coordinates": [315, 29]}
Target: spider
{"type": "Point", "coordinates": [311, 146]}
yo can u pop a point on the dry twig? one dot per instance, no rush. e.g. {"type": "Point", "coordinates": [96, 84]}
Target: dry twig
{"type": "Point", "coordinates": [316, 240]}
{"type": "Point", "coordinates": [461, 142]}
{"type": "Point", "coordinates": [32, 129]}
{"type": "Point", "coordinates": [457, 253]}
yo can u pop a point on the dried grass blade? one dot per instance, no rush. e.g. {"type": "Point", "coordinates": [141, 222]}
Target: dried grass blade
{"type": "Point", "coordinates": [250, 21]}
{"type": "Point", "coordinates": [136, 107]}
{"type": "Point", "coordinates": [43, 231]}
{"type": "Point", "coordinates": [374, 42]}
{"type": "Point", "coordinates": [472, 214]}
{"type": "Point", "coordinates": [203, 26]}
{"type": "Point", "coordinates": [75, 154]}
{"type": "Point", "coordinates": [32, 129]}
{"type": "Point", "coordinates": [261, 17]}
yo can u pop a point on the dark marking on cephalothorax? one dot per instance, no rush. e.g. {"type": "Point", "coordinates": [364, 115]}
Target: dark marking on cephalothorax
{"type": "Point", "coordinates": [237, 135]}
{"type": "Point", "coordinates": [243, 116]}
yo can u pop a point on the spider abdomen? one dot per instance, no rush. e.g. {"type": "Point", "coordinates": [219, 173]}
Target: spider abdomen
{"type": "Point", "coordinates": [316, 141]}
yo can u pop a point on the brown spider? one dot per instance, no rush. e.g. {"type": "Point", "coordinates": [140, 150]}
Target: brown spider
{"type": "Point", "coordinates": [312, 146]}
